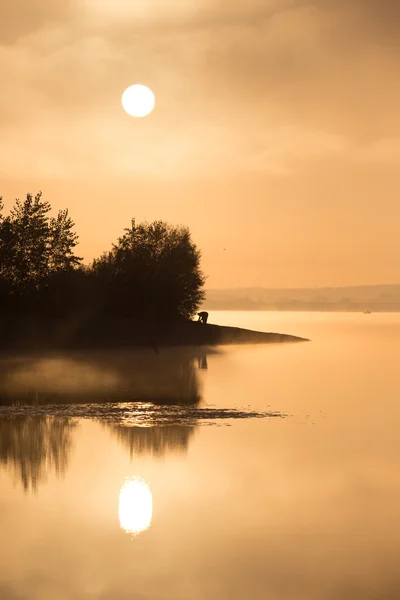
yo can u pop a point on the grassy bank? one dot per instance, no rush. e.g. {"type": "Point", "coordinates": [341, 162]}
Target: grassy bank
{"type": "Point", "coordinates": [27, 334]}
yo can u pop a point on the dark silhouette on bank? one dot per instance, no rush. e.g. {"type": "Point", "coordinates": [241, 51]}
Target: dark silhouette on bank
{"type": "Point", "coordinates": [152, 272]}
{"type": "Point", "coordinates": [145, 291]}
{"type": "Point", "coordinates": [203, 316]}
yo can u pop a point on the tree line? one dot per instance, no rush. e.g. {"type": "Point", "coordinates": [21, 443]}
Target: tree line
{"type": "Point", "coordinates": [153, 271]}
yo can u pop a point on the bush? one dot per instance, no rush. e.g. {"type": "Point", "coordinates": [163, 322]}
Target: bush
{"type": "Point", "coordinates": [153, 272]}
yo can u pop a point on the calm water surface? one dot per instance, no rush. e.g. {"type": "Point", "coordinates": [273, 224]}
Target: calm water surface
{"type": "Point", "coordinates": [196, 505]}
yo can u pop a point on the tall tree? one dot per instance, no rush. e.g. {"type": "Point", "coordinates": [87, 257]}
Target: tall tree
{"type": "Point", "coordinates": [30, 225]}
{"type": "Point", "coordinates": [7, 254]}
{"type": "Point", "coordinates": [153, 270]}
{"type": "Point", "coordinates": [63, 240]}
{"type": "Point", "coordinates": [34, 248]}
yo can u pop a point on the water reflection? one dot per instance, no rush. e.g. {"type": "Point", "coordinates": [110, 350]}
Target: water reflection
{"type": "Point", "coordinates": [103, 376]}
{"type": "Point", "coordinates": [153, 440]}
{"type": "Point", "coordinates": [202, 361]}
{"type": "Point", "coordinates": [135, 506]}
{"type": "Point", "coordinates": [33, 447]}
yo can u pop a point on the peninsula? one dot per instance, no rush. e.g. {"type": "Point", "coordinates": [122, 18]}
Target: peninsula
{"type": "Point", "coordinates": [145, 291]}
{"type": "Point", "coordinates": [64, 334]}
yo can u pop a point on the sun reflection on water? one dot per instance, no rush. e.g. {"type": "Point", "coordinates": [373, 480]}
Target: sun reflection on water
{"type": "Point", "coordinates": [135, 506]}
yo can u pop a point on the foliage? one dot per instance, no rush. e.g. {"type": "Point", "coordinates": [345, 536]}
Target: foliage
{"type": "Point", "coordinates": [34, 247]}
{"type": "Point", "coordinates": [153, 271]}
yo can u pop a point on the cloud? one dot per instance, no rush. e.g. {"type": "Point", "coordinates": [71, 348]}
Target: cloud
{"type": "Point", "coordinates": [241, 85]}
{"type": "Point", "coordinates": [314, 66]}
{"type": "Point", "coordinates": [21, 17]}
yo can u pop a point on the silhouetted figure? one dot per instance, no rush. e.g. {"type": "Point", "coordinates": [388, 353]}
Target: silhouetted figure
{"type": "Point", "coordinates": [203, 316]}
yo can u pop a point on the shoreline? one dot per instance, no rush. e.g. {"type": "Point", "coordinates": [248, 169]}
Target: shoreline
{"type": "Point", "coordinates": [70, 334]}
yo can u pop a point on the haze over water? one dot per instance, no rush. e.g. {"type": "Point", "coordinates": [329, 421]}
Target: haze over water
{"type": "Point", "coordinates": [300, 507]}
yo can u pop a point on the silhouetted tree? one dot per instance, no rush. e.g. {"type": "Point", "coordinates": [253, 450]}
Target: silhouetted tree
{"type": "Point", "coordinates": [7, 251]}
{"type": "Point", "coordinates": [152, 271]}
{"type": "Point", "coordinates": [34, 248]}
{"type": "Point", "coordinates": [31, 239]}
{"type": "Point", "coordinates": [62, 242]}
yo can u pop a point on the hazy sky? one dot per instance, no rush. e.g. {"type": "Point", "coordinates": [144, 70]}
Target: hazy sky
{"type": "Point", "coordinates": [275, 138]}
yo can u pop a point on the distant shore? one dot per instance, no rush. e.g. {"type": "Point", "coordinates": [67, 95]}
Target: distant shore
{"type": "Point", "coordinates": [304, 308]}
{"type": "Point", "coordinates": [376, 298]}
{"type": "Point", "coordinates": [66, 334]}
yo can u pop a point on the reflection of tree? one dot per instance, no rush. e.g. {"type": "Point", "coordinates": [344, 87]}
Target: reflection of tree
{"type": "Point", "coordinates": [167, 377]}
{"type": "Point", "coordinates": [34, 446]}
{"type": "Point", "coordinates": [202, 361]}
{"type": "Point", "coordinates": [153, 440]}
{"type": "Point", "coordinates": [171, 376]}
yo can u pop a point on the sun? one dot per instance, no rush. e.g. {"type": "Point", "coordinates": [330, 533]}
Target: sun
{"type": "Point", "coordinates": [138, 100]}
{"type": "Point", "coordinates": [135, 506]}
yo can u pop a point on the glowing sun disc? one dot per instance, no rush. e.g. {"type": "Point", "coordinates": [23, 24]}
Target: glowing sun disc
{"type": "Point", "coordinates": [138, 100]}
{"type": "Point", "coordinates": [135, 506]}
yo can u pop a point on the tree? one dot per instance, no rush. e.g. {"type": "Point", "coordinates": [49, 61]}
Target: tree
{"type": "Point", "coordinates": [152, 271]}
{"type": "Point", "coordinates": [7, 256]}
{"type": "Point", "coordinates": [62, 241]}
{"type": "Point", "coordinates": [34, 248]}
{"type": "Point", "coordinates": [31, 237]}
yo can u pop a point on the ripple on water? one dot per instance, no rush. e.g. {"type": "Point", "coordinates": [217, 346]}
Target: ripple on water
{"type": "Point", "coordinates": [138, 413]}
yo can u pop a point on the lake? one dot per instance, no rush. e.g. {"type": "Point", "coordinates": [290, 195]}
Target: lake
{"type": "Point", "coordinates": [261, 472]}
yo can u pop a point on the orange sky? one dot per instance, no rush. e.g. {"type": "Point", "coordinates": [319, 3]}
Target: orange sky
{"type": "Point", "coordinates": [275, 138]}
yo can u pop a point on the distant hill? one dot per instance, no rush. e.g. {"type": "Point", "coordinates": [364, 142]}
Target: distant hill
{"type": "Point", "coordinates": [383, 298]}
